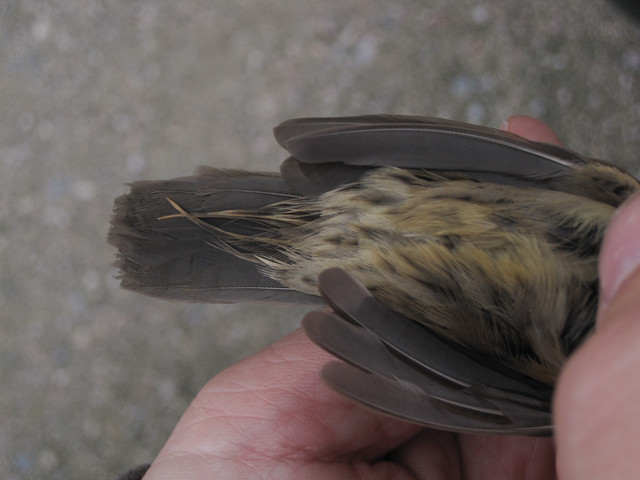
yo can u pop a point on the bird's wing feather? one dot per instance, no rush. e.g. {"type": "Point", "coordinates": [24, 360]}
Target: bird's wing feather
{"type": "Point", "coordinates": [401, 368]}
{"type": "Point", "coordinates": [330, 151]}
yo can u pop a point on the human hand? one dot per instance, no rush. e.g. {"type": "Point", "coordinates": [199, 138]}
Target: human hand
{"type": "Point", "coordinates": [597, 402]}
{"type": "Point", "coordinates": [271, 417]}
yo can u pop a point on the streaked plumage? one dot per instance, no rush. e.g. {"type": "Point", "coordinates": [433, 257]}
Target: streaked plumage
{"type": "Point", "coordinates": [486, 239]}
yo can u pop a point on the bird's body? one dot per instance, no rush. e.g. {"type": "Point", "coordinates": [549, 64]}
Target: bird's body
{"type": "Point", "coordinates": [500, 262]}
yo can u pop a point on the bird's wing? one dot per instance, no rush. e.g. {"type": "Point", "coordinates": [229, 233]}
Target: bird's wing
{"type": "Point", "coordinates": [327, 152]}
{"type": "Point", "coordinates": [402, 369]}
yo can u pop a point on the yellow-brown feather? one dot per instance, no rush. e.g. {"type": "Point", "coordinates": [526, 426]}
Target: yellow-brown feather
{"type": "Point", "coordinates": [488, 266]}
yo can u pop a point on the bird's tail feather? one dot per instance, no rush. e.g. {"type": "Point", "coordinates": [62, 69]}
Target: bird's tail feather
{"type": "Point", "coordinates": [176, 259]}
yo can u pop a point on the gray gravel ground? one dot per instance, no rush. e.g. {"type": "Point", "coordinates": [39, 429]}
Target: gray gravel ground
{"type": "Point", "coordinates": [94, 94]}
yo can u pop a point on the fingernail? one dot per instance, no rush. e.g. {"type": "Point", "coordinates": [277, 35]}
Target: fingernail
{"type": "Point", "coordinates": [504, 125]}
{"type": "Point", "coordinates": [620, 253]}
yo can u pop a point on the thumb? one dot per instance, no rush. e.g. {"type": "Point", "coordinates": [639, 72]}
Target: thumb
{"type": "Point", "coordinates": [596, 406]}
{"type": "Point", "coordinates": [620, 255]}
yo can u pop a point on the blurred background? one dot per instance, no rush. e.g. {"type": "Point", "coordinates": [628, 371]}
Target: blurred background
{"type": "Point", "coordinates": [94, 94]}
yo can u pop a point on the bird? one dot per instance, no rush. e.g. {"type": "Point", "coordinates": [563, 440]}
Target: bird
{"type": "Point", "coordinates": [459, 261]}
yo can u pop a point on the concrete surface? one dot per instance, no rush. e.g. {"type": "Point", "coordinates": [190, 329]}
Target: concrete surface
{"type": "Point", "coordinates": [94, 94]}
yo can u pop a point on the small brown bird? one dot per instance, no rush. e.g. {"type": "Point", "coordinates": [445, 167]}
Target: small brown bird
{"type": "Point", "coordinates": [460, 261]}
